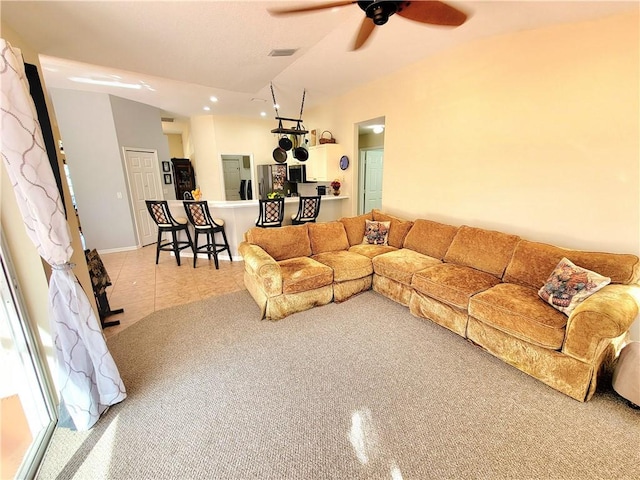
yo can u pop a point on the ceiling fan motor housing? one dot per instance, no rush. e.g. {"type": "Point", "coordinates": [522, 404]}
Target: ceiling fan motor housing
{"type": "Point", "coordinates": [379, 10]}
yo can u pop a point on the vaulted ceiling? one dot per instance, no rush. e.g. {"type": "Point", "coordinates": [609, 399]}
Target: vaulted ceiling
{"type": "Point", "coordinates": [175, 55]}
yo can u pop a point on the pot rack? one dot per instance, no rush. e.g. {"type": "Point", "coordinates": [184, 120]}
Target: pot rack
{"type": "Point", "coordinates": [299, 129]}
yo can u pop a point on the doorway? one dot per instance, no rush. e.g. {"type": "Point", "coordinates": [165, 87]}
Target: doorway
{"type": "Point", "coordinates": [370, 164]}
{"type": "Point", "coordinates": [237, 172]}
{"type": "Point", "coordinates": [143, 175]}
{"type": "Point", "coordinates": [26, 399]}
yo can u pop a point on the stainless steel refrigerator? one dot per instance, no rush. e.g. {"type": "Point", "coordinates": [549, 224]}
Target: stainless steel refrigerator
{"type": "Point", "coordinates": [272, 178]}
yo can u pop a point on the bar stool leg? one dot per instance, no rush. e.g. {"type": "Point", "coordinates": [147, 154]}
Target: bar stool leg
{"type": "Point", "coordinates": [158, 245]}
{"type": "Point", "coordinates": [176, 250]}
{"type": "Point", "coordinates": [195, 247]}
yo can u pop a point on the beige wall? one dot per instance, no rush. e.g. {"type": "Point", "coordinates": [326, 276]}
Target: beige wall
{"type": "Point", "coordinates": [534, 133]}
{"type": "Point", "coordinates": [212, 136]}
{"type": "Point", "coordinates": [371, 140]}
{"type": "Point", "coordinates": [176, 149]}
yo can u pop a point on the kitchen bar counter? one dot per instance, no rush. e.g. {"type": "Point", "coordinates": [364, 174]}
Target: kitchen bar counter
{"type": "Point", "coordinates": [239, 216]}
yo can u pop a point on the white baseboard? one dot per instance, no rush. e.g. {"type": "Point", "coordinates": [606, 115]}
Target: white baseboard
{"type": "Point", "coordinates": [116, 250]}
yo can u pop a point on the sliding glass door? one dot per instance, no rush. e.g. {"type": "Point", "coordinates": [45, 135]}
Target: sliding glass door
{"type": "Point", "coordinates": [28, 413]}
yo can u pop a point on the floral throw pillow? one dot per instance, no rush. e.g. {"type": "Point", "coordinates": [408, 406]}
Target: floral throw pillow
{"type": "Point", "coordinates": [569, 285]}
{"type": "Point", "coordinates": [376, 233]}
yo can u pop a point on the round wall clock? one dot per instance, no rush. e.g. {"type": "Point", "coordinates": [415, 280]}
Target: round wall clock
{"type": "Point", "coordinates": [344, 162]}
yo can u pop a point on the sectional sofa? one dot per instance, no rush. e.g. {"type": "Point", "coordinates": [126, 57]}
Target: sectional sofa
{"type": "Point", "coordinates": [559, 315]}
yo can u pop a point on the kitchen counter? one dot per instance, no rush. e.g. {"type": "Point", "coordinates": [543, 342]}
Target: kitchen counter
{"type": "Point", "coordinates": [240, 215]}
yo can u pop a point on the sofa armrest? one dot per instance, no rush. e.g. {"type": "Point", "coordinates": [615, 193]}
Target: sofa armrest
{"type": "Point", "coordinates": [262, 268]}
{"type": "Point", "coordinates": [606, 314]}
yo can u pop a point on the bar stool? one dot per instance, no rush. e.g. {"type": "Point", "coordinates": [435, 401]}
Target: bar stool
{"type": "Point", "coordinates": [308, 210]}
{"type": "Point", "coordinates": [200, 217]}
{"type": "Point", "coordinates": [271, 212]}
{"type": "Point", "coordinates": [159, 211]}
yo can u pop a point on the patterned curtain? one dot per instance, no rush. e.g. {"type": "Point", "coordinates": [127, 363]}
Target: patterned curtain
{"type": "Point", "coordinates": [88, 378]}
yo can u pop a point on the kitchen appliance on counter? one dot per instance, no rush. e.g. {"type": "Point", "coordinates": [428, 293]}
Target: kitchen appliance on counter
{"type": "Point", "coordinates": [272, 178]}
{"type": "Point", "coordinates": [298, 173]}
{"type": "Point", "coordinates": [321, 189]}
{"type": "Point", "coordinates": [245, 192]}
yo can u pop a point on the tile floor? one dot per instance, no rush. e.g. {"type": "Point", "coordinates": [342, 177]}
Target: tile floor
{"type": "Point", "coordinates": [142, 287]}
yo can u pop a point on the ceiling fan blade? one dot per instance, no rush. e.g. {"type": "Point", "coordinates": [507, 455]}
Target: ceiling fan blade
{"type": "Point", "coordinates": [366, 29]}
{"type": "Point", "coordinates": [433, 12]}
{"type": "Point", "coordinates": [308, 8]}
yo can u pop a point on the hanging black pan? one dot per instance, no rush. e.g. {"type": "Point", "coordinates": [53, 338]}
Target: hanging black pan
{"type": "Point", "coordinates": [285, 143]}
{"type": "Point", "coordinates": [299, 152]}
{"type": "Point", "coordinates": [280, 155]}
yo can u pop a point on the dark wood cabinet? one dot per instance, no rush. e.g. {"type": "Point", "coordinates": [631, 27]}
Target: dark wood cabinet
{"type": "Point", "coordinates": [184, 178]}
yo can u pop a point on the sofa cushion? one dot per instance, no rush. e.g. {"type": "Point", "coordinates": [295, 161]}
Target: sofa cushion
{"type": "Point", "coordinates": [327, 237]}
{"type": "Point", "coordinates": [485, 250]}
{"type": "Point", "coordinates": [371, 250]}
{"type": "Point", "coordinates": [452, 284]}
{"type": "Point", "coordinates": [281, 243]}
{"type": "Point", "coordinates": [376, 233]}
{"type": "Point", "coordinates": [304, 273]}
{"type": "Point", "coordinates": [400, 265]}
{"type": "Point", "coordinates": [398, 228]}
{"type": "Point", "coordinates": [518, 311]}
{"type": "Point", "coordinates": [569, 285]}
{"type": "Point", "coordinates": [346, 265]}
{"type": "Point", "coordinates": [532, 262]}
{"type": "Point", "coordinates": [354, 226]}
{"type": "Point", "coordinates": [430, 238]}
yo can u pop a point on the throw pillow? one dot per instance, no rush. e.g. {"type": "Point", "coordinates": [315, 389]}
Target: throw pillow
{"type": "Point", "coordinates": [569, 285]}
{"type": "Point", "coordinates": [376, 233]}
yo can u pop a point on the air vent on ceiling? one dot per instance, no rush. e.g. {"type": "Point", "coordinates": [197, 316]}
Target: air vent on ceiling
{"type": "Point", "coordinates": [283, 52]}
{"type": "Point", "coordinates": [167, 119]}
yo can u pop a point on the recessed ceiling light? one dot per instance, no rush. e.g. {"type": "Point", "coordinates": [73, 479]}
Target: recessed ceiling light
{"type": "Point", "coordinates": [263, 114]}
{"type": "Point", "coordinates": [206, 108]}
{"type": "Point", "coordinates": [276, 106]}
{"type": "Point", "coordinates": [213, 99]}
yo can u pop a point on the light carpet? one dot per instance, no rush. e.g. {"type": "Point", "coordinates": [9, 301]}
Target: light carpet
{"type": "Point", "coordinates": [357, 390]}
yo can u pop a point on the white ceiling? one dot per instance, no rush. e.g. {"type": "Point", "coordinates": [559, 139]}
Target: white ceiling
{"type": "Point", "coordinates": [181, 52]}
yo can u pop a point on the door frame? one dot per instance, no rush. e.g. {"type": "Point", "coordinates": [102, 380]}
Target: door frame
{"type": "Point", "coordinates": [252, 172]}
{"type": "Point", "coordinates": [158, 178]}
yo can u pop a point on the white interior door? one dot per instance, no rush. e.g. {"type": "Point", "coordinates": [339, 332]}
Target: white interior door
{"type": "Point", "coordinates": [372, 179]}
{"type": "Point", "coordinates": [231, 172]}
{"type": "Point", "coordinates": [144, 184]}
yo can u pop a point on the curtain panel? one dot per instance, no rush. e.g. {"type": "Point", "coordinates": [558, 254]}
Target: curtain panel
{"type": "Point", "coordinates": [88, 378]}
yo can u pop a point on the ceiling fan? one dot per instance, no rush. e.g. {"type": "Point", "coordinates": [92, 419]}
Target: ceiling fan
{"type": "Point", "coordinates": [378, 13]}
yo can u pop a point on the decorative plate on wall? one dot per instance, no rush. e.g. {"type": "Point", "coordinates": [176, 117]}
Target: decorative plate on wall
{"type": "Point", "coordinates": [344, 162]}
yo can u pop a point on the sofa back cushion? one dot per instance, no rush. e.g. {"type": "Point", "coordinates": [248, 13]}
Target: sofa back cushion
{"type": "Point", "coordinates": [281, 243]}
{"type": "Point", "coordinates": [430, 238]}
{"type": "Point", "coordinates": [354, 226]}
{"type": "Point", "coordinates": [485, 250]}
{"type": "Point", "coordinates": [533, 262]}
{"type": "Point", "coordinates": [398, 228]}
{"type": "Point", "coordinates": [328, 237]}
